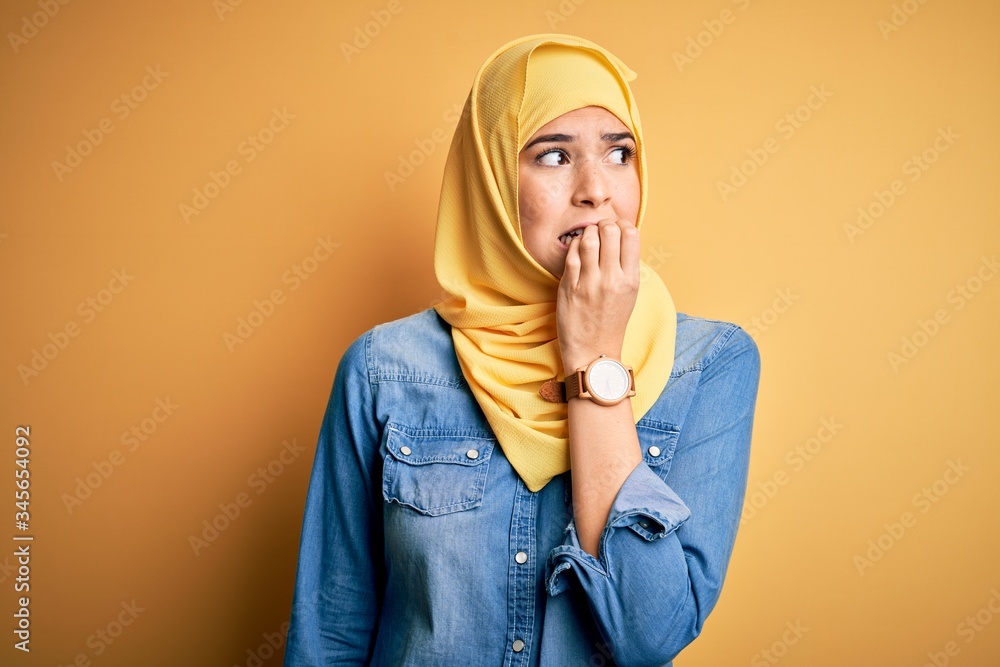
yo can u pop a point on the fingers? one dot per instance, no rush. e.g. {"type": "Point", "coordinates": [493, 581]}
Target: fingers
{"type": "Point", "coordinates": [610, 239]}
{"type": "Point", "coordinates": [630, 250]}
{"type": "Point", "coordinates": [608, 246]}
{"type": "Point", "coordinates": [588, 245]}
{"type": "Point", "coordinates": [595, 248]}
{"type": "Point", "coordinates": [571, 267]}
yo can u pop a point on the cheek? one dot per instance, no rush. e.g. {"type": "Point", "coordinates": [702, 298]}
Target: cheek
{"type": "Point", "coordinates": [537, 198]}
{"type": "Point", "coordinates": [629, 193]}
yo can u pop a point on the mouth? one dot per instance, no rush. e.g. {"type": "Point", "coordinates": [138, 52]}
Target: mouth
{"type": "Point", "coordinates": [564, 239]}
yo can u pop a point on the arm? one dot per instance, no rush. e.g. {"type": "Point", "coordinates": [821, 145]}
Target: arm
{"type": "Point", "coordinates": [338, 588]}
{"type": "Point", "coordinates": [604, 450]}
{"type": "Point", "coordinates": [662, 560]}
{"type": "Point", "coordinates": [596, 296]}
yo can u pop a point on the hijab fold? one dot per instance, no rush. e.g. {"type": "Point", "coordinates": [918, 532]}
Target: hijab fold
{"type": "Point", "coordinates": [501, 303]}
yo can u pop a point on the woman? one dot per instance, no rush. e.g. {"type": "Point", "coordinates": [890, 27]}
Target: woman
{"type": "Point", "coordinates": [548, 467]}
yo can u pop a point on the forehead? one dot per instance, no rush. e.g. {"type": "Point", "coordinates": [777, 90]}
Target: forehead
{"type": "Point", "coordinates": [597, 119]}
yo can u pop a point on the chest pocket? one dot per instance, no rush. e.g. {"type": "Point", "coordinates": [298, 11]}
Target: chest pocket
{"type": "Point", "coordinates": [435, 471]}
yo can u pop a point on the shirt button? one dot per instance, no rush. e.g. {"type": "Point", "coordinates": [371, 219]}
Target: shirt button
{"type": "Point", "coordinates": [404, 450]}
{"type": "Point", "coordinates": [518, 646]}
{"type": "Point", "coordinates": [472, 454]}
{"type": "Point", "coordinates": [654, 451]}
{"type": "Point", "coordinates": [521, 557]}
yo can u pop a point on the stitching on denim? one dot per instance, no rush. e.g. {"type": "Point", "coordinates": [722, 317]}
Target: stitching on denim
{"type": "Point", "coordinates": [714, 349]}
{"type": "Point", "coordinates": [419, 378]}
{"type": "Point", "coordinates": [457, 433]}
{"type": "Point", "coordinates": [439, 509]}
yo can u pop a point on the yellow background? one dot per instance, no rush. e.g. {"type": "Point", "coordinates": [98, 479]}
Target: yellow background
{"type": "Point", "coordinates": [831, 305]}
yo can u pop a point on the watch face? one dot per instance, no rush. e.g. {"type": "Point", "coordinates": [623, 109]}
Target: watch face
{"type": "Point", "coordinates": [608, 380]}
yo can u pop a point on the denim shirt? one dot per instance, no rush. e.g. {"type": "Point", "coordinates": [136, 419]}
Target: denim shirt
{"type": "Point", "coordinates": [421, 545]}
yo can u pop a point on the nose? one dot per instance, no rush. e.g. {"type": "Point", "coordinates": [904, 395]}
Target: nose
{"type": "Point", "coordinates": [591, 186]}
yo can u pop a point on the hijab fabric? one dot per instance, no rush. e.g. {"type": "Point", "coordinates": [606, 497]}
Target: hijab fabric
{"type": "Point", "coordinates": [501, 303]}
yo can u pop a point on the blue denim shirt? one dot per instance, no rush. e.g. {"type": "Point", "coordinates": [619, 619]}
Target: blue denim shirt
{"type": "Point", "coordinates": [421, 545]}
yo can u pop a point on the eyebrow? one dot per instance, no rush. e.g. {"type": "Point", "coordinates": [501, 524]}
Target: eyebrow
{"type": "Point", "coordinates": [566, 138]}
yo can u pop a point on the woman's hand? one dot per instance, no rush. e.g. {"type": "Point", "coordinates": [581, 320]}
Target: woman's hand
{"type": "Point", "coordinates": [597, 292]}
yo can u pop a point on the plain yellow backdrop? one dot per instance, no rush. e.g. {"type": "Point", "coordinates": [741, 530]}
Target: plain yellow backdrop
{"type": "Point", "coordinates": [204, 203]}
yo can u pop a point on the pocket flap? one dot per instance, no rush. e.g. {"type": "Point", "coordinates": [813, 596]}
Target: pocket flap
{"type": "Point", "coordinates": [658, 441]}
{"type": "Point", "coordinates": [419, 448]}
{"type": "Point", "coordinates": [436, 471]}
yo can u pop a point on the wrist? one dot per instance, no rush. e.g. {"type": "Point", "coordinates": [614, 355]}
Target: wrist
{"type": "Point", "coordinates": [572, 361]}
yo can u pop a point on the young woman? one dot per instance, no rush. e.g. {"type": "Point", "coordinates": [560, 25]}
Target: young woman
{"type": "Point", "coordinates": [548, 467]}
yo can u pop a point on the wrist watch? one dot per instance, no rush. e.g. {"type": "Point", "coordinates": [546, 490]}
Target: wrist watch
{"type": "Point", "coordinates": [605, 381]}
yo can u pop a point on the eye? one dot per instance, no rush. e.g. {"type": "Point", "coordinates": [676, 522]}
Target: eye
{"type": "Point", "coordinates": [624, 153]}
{"type": "Point", "coordinates": [552, 158]}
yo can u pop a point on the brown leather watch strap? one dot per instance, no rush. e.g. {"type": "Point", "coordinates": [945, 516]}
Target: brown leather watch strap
{"type": "Point", "coordinates": [553, 391]}
{"type": "Point", "coordinates": [574, 384]}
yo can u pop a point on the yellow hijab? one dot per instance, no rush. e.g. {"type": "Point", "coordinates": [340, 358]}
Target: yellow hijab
{"type": "Point", "coordinates": [502, 303]}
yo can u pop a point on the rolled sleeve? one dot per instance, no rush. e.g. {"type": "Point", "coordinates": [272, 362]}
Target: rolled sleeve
{"type": "Point", "coordinates": [644, 504]}
{"type": "Point", "coordinates": [647, 505]}
{"type": "Point", "coordinates": [665, 548]}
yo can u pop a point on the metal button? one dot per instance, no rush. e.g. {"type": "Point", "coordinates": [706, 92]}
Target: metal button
{"type": "Point", "coordinates": [654, 451]}
{"type": "Point", "coordinates": [473, 453]}
{"type": "Point", "coordinates": [521, 557]}
{"type": "Point", "coordinates": [518, 646]}
{"type": "Point", "coordinates": [644, 524]}
{"type": "Point", "coordinates": [404, 450]}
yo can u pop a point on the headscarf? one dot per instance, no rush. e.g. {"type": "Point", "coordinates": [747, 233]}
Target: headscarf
{"type": "Point", "coordinates": [501, 303]}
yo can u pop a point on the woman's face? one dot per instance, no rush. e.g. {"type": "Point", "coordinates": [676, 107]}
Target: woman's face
{"type": "Point", "coordinates": [574, 171]}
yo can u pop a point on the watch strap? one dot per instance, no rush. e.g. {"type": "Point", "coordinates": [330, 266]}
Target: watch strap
{"type": "Point", "coordinates": [555, 391]}
{"type": "Point", "coordinates": [574, 384]}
